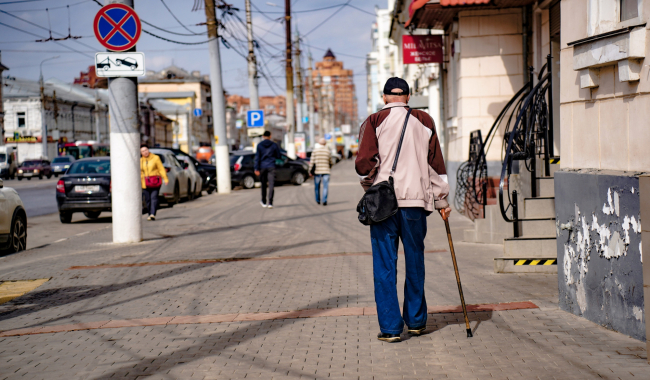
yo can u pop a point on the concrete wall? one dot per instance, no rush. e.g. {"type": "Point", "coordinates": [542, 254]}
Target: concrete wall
{"type": "Point", "coordinates": [600, 274]}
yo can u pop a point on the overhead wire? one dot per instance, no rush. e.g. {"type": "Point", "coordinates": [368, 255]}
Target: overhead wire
{"type": "Point", "coordinates": [176, 18]}
{"type": "Point", "coordinates": [36, 35]}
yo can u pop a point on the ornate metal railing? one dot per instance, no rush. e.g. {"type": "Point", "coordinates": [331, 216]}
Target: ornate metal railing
{"type": "Point", "coordinates": [472, 175]}
{"type": "Point", "coordinates": [530, 137]}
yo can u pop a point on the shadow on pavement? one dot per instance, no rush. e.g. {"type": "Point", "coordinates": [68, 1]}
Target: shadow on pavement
{"type": "Point", "coordinates": [211, 345]}
{"type": "Point", "coordinates": [437, 322]}
{"type": "Point", "coordinates": [104, 219]}
{"type": "Point", "coordinates": [228, 228]}
{"type": "Point", "coordinates": [51, 298]}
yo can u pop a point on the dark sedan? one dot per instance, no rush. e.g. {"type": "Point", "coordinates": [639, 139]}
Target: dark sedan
{"type": "Point", "coordinates": [208, 172]}
{"type": "Point", "coordinates": [86, 187]}
{"type": "Point", "coordinates": [34, 168]}
{"type": "Point", "coordinates": [242, 170]}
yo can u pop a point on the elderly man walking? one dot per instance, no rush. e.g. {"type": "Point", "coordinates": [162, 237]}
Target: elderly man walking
{"type": "Point", "coordinates": [321, 158]}
{"type": "Point", "coordinates": [420, 182]}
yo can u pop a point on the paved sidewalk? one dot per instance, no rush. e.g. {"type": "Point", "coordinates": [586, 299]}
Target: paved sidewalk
{"type": "Point", "coordinates": [171, 307]}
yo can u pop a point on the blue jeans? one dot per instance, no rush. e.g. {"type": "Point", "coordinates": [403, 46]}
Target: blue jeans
{"type": "Point", "coordinates": [326, 182]}
{"type": "Point", "coordinates": [409, 224]}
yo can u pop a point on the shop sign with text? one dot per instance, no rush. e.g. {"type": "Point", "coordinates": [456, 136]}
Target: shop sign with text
{"type": "Point", "coordinates": [420, 49]}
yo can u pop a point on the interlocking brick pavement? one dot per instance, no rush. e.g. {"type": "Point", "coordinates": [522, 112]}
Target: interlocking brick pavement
{"type": "Point", "coordinates": [538, 343]}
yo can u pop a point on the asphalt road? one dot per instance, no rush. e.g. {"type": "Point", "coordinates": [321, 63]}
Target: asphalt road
{"type": "Point", "coordinates": [38, 195]}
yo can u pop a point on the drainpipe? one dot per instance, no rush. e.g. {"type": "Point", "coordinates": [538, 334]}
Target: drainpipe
{"type": "Point", "coordinates": [72, 112]}
{"type": "Point", "coordinates": [524, 40]}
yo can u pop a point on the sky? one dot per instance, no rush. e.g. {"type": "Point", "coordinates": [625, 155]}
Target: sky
{"type": "Point", "coordinates": [347, 33]}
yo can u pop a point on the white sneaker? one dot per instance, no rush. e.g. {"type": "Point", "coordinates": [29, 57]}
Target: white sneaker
{"type": "Point", "coordinates": [269, 206]}
{"type": "Point", "coordinates": [263, 204]}
{"type": "Point", "coordinates": [151, 217]}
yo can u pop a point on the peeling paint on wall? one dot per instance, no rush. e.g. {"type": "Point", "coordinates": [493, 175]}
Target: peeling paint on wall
{"type": "Point", "coordinates": [599, 249]}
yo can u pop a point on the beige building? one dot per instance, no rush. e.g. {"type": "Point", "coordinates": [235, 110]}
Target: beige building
{"type": "Point", "coordinates": [191, 93]}
{"type": "Point", "coordinates": [604, 139]}
{"type": "Point", "coordinates": [579, 210]}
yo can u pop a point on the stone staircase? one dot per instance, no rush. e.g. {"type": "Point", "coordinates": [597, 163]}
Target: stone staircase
{"type": "Point", "coordinates": [535, 251]}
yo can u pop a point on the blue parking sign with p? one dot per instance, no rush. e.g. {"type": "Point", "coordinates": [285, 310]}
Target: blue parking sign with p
{"type": "Point", "coordinates": [255, 119]}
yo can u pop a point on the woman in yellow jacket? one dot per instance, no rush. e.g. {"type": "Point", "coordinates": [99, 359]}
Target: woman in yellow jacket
{"type": "Point", "coordinates": [152, 173]}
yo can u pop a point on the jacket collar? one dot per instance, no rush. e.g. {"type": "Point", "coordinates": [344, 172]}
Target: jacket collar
{"type": "Point", "coordinates": [396, 104]}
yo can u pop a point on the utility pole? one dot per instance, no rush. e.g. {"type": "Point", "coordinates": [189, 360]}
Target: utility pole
{"type": "Point", "coordinates": [321, 109]}
{"type": "Point", "coordinates": [126, 197]}
{"type": "Point", "coordinates": [218, 102]}
{"type": "Point", "coordinates": [291, 147]}
{"type": "Point", "coordinates": [310, 98]}
{"type": "Point", "coordinates": [299, 126]}
{"type": "Point", "coordinates": [43, 108]}
{"type": "Point", "coordinates": [252, 62]}
{"type": "Point", "coordinates": [98, 136]}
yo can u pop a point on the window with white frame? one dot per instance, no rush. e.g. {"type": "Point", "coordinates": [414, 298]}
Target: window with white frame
{"type": "Point", "coordinates": [608, 15]}
{"type": "Point", "coordinates": [629, 10]}
{"type": "Point", "coordinates": [22, 119]}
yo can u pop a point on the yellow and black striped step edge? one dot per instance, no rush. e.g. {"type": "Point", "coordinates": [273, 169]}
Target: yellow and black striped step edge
{"type": "Point", "coordinates": [535, 261]}
{"type": "Point", "coordinates": [554, 160]}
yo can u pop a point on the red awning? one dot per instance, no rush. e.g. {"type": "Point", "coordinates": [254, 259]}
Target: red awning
{"type": "Point", "coordinates": [432, 14]}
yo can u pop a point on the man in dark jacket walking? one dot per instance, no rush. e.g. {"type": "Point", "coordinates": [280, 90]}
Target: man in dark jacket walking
{"type": "Point", "coordinates": [267, 153]}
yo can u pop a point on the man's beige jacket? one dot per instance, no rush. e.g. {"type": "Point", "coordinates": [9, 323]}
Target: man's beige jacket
{"type": "Point", "coordinates": [420, 177]}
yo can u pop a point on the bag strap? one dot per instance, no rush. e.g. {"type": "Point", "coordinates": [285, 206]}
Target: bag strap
{"type": "Point", "coordinates": [399, 146]}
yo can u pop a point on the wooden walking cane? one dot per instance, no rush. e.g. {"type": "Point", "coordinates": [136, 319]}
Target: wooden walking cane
{"type": "Point", "coordinates": [460, 288]}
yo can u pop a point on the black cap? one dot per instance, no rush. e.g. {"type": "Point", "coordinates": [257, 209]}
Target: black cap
{"type": "Point", "coordinates": [396, 83]}
{"type": "Point", "coordinates": [267, 133]}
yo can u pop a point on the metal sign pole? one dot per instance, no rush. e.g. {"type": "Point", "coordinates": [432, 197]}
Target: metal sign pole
{"type": "Point", "coordinates": [125, 157]}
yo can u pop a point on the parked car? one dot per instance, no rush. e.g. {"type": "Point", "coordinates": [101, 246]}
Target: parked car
{"type": "Point", "coordinates": [128, 62]}
{"type": "Point", "coordinates": [208, 172]}
{"type": "Point", "coordinates": [13, 221]}
{"type": "Point", "coordinates": [61, 164]}
{"type": "Point", "coordinates": [8, 162]}
{"type": "Point", "coordinates": [196, 181]}
{"type": "Point", "coordinates": [179, 185]}
{"type": "Point", "coordinates": [242, 170]}
{"type": "Point", "coordinates": [85, 187]}
{"type": "Point", "coordinates": [34, 168]}
{"type": "Point", "coordinates": [204, 154]}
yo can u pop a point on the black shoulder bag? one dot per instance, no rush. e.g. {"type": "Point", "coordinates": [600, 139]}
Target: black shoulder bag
{"type": "Point", "coordinates": [380, 202]}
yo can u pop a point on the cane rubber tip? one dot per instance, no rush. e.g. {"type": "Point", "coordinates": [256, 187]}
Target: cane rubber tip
{"type": "Point", "coordinates": [469, 333]}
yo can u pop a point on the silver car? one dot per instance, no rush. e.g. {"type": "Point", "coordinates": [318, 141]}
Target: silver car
{"type": "Point", "coordinates": [61, 164]}
{"type": "Point", "coordinates": [179, 183]}
{"type": "Point", "coordinates": [196, 181]}
{"type": "Point", "coordinates": [13, 221]}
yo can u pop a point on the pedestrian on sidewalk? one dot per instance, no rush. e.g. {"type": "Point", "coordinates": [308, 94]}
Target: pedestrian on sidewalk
{"type": "Point", "coordinates": [319, 167]}
{"type": "Point", "coordinates": [152, 176]}
{"type": "Point", "coordinates": [267, 153]}
{"type": "Point", "coordinates": [420, 183]}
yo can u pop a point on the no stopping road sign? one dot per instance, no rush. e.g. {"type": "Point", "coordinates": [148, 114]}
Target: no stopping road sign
{"type": "Point", "coordinates": [117, 27]}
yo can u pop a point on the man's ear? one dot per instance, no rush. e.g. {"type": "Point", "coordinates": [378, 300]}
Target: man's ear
{"type": "Point", "coordinates": [384, 98]}
{"type": "Point", "coordinates": [408, 97]}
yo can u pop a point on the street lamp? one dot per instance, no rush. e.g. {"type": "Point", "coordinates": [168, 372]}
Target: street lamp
{"type": "Point", "coordinates": [43, 126]}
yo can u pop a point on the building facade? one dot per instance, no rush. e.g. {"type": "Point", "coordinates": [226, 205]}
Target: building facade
{"type": "Point", "coordinates": [604, 113]}
{"type": "Point", "coordinates": [191, 91]}
{"type": "Point", "coordinates": [337, 91]}
{"type": "Point", "coordinates": [72, 113]}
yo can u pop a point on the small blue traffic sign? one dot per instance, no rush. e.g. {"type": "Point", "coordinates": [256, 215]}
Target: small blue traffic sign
{"type": "Point", "coordinates": [328, 136]}
{"type": "Point", "coordinates": [255, 119]}
{"type": "Point", "coordinates": [198, 112]}
{"type": "Point", "coordinates": [117, 27]}
{"type": "Point", "coordinates": [305, 119]}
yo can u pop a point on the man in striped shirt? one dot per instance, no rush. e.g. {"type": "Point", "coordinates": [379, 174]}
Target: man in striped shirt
{"type": "Point", "coordinates": [319, 167]}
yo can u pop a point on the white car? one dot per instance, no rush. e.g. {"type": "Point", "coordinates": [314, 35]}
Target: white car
{"type": "Point", "coordinates": [179, 185]}
{"type": "Point", "coordinates": [196, 181]}
{"type": "Point", "coordinates": [13, 221]}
